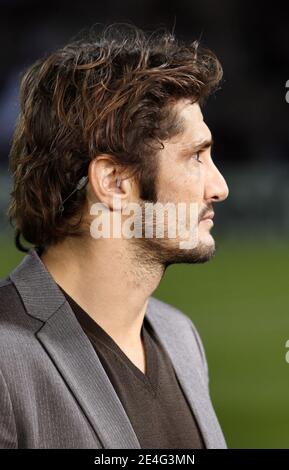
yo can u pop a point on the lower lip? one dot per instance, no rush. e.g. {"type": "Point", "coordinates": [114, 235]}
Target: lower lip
{"type": "Point", "coordinates": [208, 221]}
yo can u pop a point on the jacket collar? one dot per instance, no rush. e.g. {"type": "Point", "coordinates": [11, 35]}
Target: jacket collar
{"type": "Point", "coordinates": [68, 346]}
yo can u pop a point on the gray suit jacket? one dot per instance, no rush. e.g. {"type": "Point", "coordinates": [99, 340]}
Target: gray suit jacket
{"type": "Point", "coordinates": [54, 391]}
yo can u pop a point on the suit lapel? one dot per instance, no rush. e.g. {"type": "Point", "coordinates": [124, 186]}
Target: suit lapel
{"type": "Point", "coordinates": [182, 355]}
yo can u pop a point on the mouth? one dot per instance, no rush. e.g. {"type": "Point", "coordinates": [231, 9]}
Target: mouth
{"type": "Point", "coordinates": [208, 218]}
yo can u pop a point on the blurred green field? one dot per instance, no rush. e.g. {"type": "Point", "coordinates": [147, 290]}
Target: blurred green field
{"type": "Point", "coordinates": [239, 303]}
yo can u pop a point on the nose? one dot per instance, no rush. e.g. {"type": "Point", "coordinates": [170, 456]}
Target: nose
{"type": "Point", "coordinates": [216, 188]}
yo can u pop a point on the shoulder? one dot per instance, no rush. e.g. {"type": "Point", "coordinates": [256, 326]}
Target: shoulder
{"type": "Point", "coordinates": [171, 314]}
{"type": "Point", "coordinates": [11, 305]}
{"type": "Point", "coordinates": [8, 299]}
{"type": "Point", "coordinates": [17, 328]}
{"type": "Point", "coordinates": [179, 323]}
{"type": "Point", "coordinates": [10, 302]}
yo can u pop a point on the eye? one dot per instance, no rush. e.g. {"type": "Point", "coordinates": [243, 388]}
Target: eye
{"type": "Point", "coordinates": [197, 154]}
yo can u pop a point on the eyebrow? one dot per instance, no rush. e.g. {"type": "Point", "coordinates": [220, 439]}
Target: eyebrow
{"type": "Point", "coordinates": [198, 146]}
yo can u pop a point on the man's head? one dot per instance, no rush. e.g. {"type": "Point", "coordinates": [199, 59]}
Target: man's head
{"type": "Point", "coordinates": [122, 103]}
{"type": "Point", "coordinates": [188, 175]}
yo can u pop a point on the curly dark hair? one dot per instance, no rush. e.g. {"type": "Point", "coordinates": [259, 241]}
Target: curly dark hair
{"type": "Point", "coordinates": [108, 92]}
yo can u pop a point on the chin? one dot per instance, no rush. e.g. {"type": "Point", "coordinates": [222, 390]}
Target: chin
{"type": "Point", "coordinates": [207, 239]}
{"type": "Point", "coordinates": [168, 251]}
{"type": "Point", "coordinates": [202, 253]}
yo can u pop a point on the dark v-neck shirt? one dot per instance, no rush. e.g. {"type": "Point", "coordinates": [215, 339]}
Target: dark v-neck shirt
{"type": "Point", "coordinates": [154, 402]}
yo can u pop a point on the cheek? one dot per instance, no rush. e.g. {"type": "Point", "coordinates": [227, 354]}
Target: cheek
{"type": "Point", "coordinates": [180, 185]}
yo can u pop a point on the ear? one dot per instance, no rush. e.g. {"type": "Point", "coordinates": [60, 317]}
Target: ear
{"type": "Point", "coordinates": [107, 183]}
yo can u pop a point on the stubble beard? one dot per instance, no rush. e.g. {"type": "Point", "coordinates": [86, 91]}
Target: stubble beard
{"type": "Point", "coordinates": [166, 251]}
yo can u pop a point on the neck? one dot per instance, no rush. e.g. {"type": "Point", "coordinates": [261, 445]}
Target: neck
{"type": "Point", "coordinates": [108, 280]}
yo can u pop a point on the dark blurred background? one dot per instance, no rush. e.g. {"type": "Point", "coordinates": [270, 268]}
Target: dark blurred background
{"type": "Point", "coordinates": [239, 301]}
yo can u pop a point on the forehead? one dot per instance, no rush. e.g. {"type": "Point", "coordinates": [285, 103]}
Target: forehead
{"type": "Point", "coordinates": [194, 129]}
